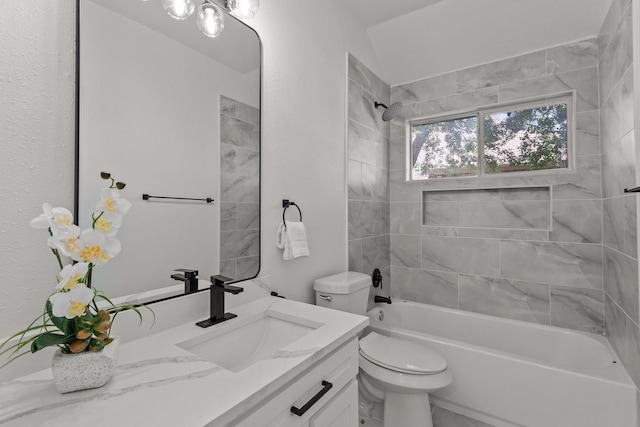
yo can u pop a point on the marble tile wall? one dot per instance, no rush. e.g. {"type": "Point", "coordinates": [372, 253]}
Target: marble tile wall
{"type": "Point", "coordinates": [620, 234]}
{"type": "Point", "coordinates": [527, 208]}
{"type": "Point", "coordinates": [368, 173]}
{"type": "Point", "coordinates": [239, 189]}
{"type": "Point", "coordinates": [478, 244]}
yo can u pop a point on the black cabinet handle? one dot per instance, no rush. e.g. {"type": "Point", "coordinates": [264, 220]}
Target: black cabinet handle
{"type": "Point", "coordinates": [326, 386]}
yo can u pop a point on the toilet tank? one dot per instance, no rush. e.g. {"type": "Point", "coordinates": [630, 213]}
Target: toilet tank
{"type": "Point", "coordinates": [348, 291]}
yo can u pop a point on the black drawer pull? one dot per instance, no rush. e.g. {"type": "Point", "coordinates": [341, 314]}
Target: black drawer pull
{"type": "Point", "coordinates": [326, 386]}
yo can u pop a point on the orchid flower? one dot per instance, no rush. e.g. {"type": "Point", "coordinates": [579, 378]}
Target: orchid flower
{"type": "Point", "coordinates": [71, 275]}
{"type": "Point", "coordinates": [74, 298]}
{"type": "Point", "coordinates": [111, 202]}
{"type": "Point", "coordinates": [96, 248]}
{"type": "Point", "coordinates": [71, 304]}
{"type": "Point", "coordinates": [107, 223]}
{"type": "Point", "coordinates": [54, 218]}
{"type": "Point", "coordinates": [66, 241]}
{"type": "Point", "coordinates": [61, 219]}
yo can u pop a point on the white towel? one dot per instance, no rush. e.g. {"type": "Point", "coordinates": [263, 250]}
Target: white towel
{"type": "Point", "coordinates": [281, 236]}
{"type": "Point", "coordinates": [293, 239]}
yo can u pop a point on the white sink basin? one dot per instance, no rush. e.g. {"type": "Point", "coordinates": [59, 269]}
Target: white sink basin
{"type": "Point", "coordinates": [250, 341]}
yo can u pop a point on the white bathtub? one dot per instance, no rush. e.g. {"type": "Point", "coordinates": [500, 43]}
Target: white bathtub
{"type": "Point", "coordinates": [513, 373]}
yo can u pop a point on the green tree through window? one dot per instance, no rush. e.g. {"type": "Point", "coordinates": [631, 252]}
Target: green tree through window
{"type": "Point", "coordinates": [524, 139]}
{"type": "Point", "coordinates": [447, 148]}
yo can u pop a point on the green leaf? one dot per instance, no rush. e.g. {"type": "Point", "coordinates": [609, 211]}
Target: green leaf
{"type": "Point", "coordinates": [49, 308]}
{"type": "Point", "coordinates": [105, 175]}
{"type": "Point", "coordinates": [49, 339]}
{"type": "Point", "coordinates": [17, 346]}
{"type": "Point", "coordinates": [14, 358]}
{"type": "Point", "coordinates": [104, 297]}
{"type": "Point", "coordinates": [120, 185]}
{"type": "Point", "coordinates": [60, 323]}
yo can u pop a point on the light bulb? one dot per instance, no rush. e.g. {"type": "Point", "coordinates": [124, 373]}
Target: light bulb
{"type": "Point", "coordinates": [245, 9]}
{"type": "Point", "coordinates": [210, 20]}
{"type": "Point", "coordinates": [179, 9]}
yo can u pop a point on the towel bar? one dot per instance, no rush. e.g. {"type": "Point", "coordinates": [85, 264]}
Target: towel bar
{"type": "Point", "coordinates": [147, 197]}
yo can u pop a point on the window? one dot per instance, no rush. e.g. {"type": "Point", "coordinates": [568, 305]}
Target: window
{"type": "Point", "coordinates": [521, 138]}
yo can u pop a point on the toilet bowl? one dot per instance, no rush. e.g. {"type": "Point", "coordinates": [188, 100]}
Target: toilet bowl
{"type": "Point", "coordinates": [399, 372]}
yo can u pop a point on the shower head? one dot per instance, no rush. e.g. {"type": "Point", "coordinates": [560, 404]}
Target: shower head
{"type": "Point", "coordinates": [390, 112]}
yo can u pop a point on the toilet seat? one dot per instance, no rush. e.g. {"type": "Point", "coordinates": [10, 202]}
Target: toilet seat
{"type": "Point", "coordinates": [400, 355]}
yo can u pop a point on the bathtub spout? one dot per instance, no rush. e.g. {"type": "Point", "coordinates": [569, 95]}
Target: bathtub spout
{"type": "Point", "coordinates": [379, 298]}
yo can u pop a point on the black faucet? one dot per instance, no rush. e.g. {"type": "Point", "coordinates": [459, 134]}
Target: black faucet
{"type": "Point", "coordinates": [190, 279]}
{"type": "Point", "coordinates": [376, 279]}
{"type": "Point", "coordinates": [379, 298]}
{"type": "Point", "coordinates": [216, 313]}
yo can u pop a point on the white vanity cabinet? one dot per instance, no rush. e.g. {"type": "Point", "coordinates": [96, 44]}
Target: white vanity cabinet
{"type": "Point", "coordinates": [341, 411]}
{"type": "Point", "coordinates": [160, 382]}
{"type": "Point", "coordinates": [337, 407]}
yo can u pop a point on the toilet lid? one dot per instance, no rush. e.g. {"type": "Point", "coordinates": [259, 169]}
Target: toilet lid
{"type": "Point", "coordinates": [401, 355]}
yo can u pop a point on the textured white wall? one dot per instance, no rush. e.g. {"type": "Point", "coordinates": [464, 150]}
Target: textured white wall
{"type": "Point", "coordinates": [304, 113]}
{"type": "Point", "coordinates": [303, 133]}
{"type": "Point", "coordinates": [37, 96]}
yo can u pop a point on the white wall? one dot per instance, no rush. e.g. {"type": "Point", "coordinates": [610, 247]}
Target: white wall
{"type": "Point", "coordinates": [303, 133]}
{"type": "Point", "coordinates": [303, 140]}
{"type": "Point", "coordinates": [37, 79]}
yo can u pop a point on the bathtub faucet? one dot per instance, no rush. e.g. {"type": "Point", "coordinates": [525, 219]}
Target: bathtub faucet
{"type": "Point", "coordinates": [379, 298]}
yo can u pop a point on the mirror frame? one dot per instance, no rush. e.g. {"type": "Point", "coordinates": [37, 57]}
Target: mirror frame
{"type": "Point", "coordinates": [76, 194]}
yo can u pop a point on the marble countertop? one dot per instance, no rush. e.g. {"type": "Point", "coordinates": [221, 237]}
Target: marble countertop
{"type": "Point", "coordinates": [159, 383]}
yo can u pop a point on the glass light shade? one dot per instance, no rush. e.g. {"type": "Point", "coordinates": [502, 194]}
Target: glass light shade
{"type": "Point", "coordinates": [210, 20]}
{"type": "Point", "coordinates": [179, 9]}
{"type": "Point", "coordinates": [245, 9]}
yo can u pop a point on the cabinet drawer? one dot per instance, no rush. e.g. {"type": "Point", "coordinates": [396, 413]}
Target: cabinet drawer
{"type": "Point", "coordinates": [338, 368]}
{"type": "Point", "coordinates": [341, 411]}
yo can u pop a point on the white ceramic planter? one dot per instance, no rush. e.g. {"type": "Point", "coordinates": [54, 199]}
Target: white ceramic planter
{"type": "Point", "coordinates": [87, 370]}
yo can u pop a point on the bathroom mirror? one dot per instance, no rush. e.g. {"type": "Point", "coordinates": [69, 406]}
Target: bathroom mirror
{"type": "Point", "coordinates": [172, 113]}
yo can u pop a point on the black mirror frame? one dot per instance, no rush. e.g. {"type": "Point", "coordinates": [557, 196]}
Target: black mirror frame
{"type": "Point", "coordinates": [76, 194]}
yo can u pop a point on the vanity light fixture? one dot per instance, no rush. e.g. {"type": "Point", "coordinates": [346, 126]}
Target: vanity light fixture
{"type": "Point", "coordinates": [244, 9]}
{"type": "Point", "coordinates": [210, 19]}
{"type": "Point", "coordinates": [179, 9]}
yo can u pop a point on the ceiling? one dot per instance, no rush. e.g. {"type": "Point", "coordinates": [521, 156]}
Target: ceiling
{"type": "Point", "coordinates": [414, 39]}
{"type": "Point", "coordinates": [372, 12]}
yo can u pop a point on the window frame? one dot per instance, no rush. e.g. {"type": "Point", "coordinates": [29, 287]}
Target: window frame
{"type": "Point", "coordinates": [480, 113]}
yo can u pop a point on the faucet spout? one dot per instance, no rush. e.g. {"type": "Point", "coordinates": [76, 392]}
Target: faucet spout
{"type": "Point", "coordinates": [379, 298]}
{"type": "Point", "coordinates": [217, 291]}
{"type": "Point", "coordinates": [190, 279]}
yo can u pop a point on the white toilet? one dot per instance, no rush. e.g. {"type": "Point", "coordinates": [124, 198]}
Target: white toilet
{"type": "Point", "coordinates": [399, 372]}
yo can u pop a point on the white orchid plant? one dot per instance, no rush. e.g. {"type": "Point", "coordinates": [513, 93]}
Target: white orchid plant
{"type": "Point", "coordinates": [72, 318]}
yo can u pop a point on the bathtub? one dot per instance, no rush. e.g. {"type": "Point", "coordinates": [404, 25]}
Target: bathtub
{"type": "Point", "coordinates": [514, 373]}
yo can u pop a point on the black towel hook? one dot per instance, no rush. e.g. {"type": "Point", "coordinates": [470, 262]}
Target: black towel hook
{"type": "Point", "coordinates": [285, 204]}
